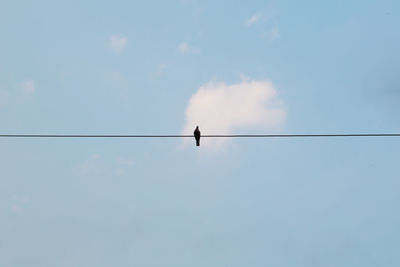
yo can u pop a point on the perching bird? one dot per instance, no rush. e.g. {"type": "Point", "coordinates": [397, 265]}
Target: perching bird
{"type": "Point", "coordinates": [197, 136]}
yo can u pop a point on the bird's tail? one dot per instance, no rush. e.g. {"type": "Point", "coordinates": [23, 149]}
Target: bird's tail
{"type": "Point", "coordinates": [197, 142]}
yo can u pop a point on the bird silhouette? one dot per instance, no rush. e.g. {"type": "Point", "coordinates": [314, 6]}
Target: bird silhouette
{"type": "Point", "coordinates": [197, 136]}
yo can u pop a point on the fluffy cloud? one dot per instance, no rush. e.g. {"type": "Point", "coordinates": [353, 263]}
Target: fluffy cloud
{"type": "Point", "coordinates": [253, 19]}
{"type": "Point", "coordinates": [118, 43]}
{"type": "Point", "coordinates": [28, 87]}
{"type": "Point", "coordinates": [219, 108]}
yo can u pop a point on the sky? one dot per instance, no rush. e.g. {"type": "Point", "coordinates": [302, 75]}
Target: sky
{"type": "Point", "coordinates": [231, 67]}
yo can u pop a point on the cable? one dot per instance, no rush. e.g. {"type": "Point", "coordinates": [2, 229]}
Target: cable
{"type": "Point", "coordinates": [203, 136]}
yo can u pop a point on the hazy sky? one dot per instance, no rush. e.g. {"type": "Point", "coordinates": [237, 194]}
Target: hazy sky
{"type": "Point", "coordinates": [162, 67]}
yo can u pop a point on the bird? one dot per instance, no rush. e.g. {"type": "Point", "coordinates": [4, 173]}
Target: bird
{"type": "Point", "coordinates": [196, 134]}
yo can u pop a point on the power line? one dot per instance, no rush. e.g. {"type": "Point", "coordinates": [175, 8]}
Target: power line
{"type": "Point", "coordinates": [203, 136]}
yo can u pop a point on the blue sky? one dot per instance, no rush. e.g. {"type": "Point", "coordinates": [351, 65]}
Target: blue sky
{"type": "Point", "coordinates": [158, 67]}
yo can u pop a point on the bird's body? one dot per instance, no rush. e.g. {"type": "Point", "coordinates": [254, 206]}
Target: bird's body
{"type": "Point", "coordinates": [196, 134]}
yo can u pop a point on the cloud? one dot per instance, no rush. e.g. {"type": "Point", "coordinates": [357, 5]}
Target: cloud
{"type": "Point", "coordinates": [96, 165]}
{"type": "Point", "coordinates": [91, 166]}
{"type": "Point", "coordinates": [272, 34]}
{"type": "Point", "coordinates": [195, 7]}
{"type": "Point", "coordinates": [123, 165]}
{"type": "Point", "coordinates": [125, 162]}
{"type": "Point", "coordinates": [23, 90]}
{"type": "Point", "coordinates": [118, 43]}
{"type": "Point", "coordinates": [267, 22]}
{"type": "Point", "coordinates": [253, 19]}
{"type": "Point", "coordinates": [184, 48]}
{"type": "Point", "coordinates": [219, 108]}
{"type": "Point", "coordinates": [28, 87]}
{"type": "Point", "coordinates": [160, 69]}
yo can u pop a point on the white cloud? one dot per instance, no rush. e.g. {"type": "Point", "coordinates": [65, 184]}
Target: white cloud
{"type": "Point", "coordinates": [272, 34]}
{"type": "Point", "coordinates": [253, 19]}
{"type": "Point", "coordinates": [28, 87]}
{"type": "Point", "coordinates": [162, 66]}
{"type": "Point", "coordinates": [219, 108]}
{"type": "Point", "coordinates": [91, 166]}
{"type": "Point", "coordinates": [267, 22]}
{"type": "Point", "coordinates": [118, 43]}
{"type": "Point", "coordinates": [184, 48]}
{"type": "Point", "coordinates": [160, 69]}
{"type": "Point", "coordinates": [123, 164]}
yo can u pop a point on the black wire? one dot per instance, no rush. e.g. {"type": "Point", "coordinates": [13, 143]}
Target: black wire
{"type": "Point", "coordinates": [203, 136]}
